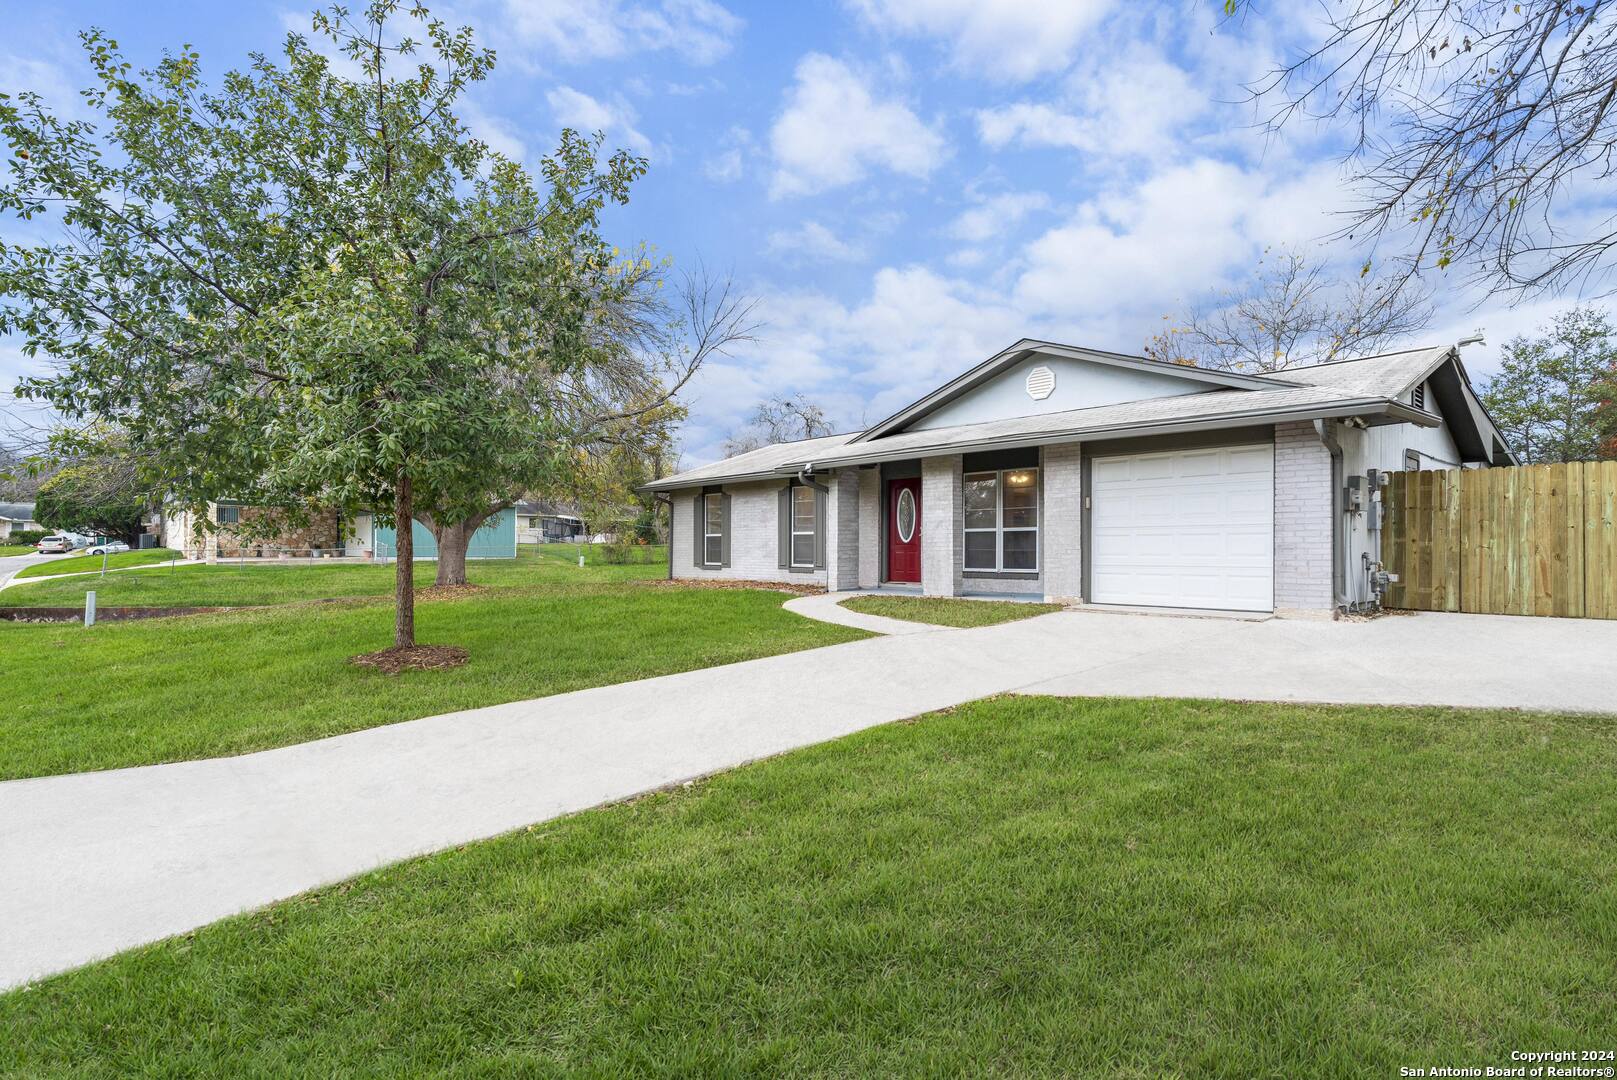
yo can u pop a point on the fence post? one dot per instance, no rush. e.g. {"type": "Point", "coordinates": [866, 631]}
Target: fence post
{"type": "Point", "coordinates": [89, 608]}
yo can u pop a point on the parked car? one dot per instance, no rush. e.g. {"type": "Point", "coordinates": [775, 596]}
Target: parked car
{"type": "Point", "coordinates": [55, 544]}
{"type": "Point", "coordinates": [112, 547]}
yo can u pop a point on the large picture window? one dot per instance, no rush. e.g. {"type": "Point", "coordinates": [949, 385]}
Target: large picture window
{"type": "Point", "coordinates": [804, 525]}
{"type": "Point", "coordinates": [1002, 521]}
{"type": "Point", "coordinates": [713, 529]}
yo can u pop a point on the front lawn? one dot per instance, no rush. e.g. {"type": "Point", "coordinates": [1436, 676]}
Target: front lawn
{"type": "Point", "coordinates": [77, 564]}
{"type": "Point", "coordinates": [7, 550]}
{"type": "Point", "coordinates": [273, 582]}
{"type": "Point", "coordinates": [1019, 887]}
{"type": "Point", "coordinates": [135, 693]}
{"type": "Point", "coordinates": [947, 611]}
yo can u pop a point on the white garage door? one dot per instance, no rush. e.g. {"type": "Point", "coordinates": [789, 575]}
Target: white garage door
{"type": "Point", "coordinates": [1184, 528]}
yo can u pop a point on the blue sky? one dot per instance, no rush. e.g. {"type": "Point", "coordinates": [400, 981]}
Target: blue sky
{"type": "Point", "coordinates": [907, 186]}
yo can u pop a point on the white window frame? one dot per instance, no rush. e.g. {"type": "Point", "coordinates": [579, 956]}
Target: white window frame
{"type": "Point", "coordinates": [796, 530]}
{"type": "Point", "coordinates": [999, 528]}
{"type": "Point", "coordinates": [707, 518]}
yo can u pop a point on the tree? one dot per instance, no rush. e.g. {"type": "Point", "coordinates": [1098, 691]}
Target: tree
{"type": "Point", "coordinates": [1291, 313]}
{"type": "Point", "coordinates": [778, 419]}
{"type": "Point", "coordinates": [100, 491]}
{"type": "Point", "coordinates": [1479, 128]}
{"type": "Point", "coordinates": [617, 408]}
{"type": "Point", "coordinates": [1550, 398]}
{"type": "Point", "coordinates": [309, 285]}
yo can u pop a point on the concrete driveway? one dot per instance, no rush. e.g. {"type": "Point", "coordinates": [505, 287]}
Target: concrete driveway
{"type": "Point", "coordinates": [99, 862]}
{"type": "Point", "coordinates": [12, 565]}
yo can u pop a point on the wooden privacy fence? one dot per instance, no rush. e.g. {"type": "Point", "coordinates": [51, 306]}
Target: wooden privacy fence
{"type": "Point", "coordinates": [1529, 540]}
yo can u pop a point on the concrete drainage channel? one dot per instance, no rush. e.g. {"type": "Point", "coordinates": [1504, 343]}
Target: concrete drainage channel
{"type": "Point", "coordinates": [76, 614]}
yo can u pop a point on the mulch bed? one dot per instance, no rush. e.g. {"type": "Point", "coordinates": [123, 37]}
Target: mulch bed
{"type": "Point", "coordinates": [106, 614]}
{"type": "Point", "coordinates": [449, 592]}
{"type": "Point", "coordinates": [727, 583]}
{"type": "Point", "coordinates": [391, 661]}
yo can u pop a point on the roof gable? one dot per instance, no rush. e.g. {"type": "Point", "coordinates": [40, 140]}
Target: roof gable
{"type": "Point", "coordinates": [1112, 374]}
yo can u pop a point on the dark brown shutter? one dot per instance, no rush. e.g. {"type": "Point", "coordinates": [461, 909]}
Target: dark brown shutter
{"type": "Point", "coordinates": [783, 525]}
{"type": "Point", "coordinates": [724, 527]}
{"type": "Point", "coordinates": [696, 552]}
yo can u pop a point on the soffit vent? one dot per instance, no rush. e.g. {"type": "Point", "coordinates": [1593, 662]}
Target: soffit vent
{"type": "Point", "coordinates": [1041, 383]}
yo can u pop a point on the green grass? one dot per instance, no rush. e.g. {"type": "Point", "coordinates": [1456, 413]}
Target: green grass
{"type": "Point", "coordinates": [15, 549]}
{"type": "Point", "coordinates": [1020, 887]}
{"type": "Point", "coordinates": [270, 582]}
{"type": "Point", "coordinates": [944, 611]}
{"type": "Point", "coordinates": [80, 563]}
{"type": "Point", "coordinates": [134, 693]}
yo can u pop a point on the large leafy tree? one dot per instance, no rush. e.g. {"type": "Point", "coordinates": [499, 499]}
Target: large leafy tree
{"type": "Point", "coordinates": [313, 282]}
{"type": "Point", "coordinates": [102, 490]}
{"type": "Point", "coordinates": [1550, 398]}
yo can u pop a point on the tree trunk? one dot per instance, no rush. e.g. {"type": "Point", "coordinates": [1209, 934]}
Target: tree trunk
{"type": "Point", "coordinates": [404, 564]}
{"type": "Point", "coordinates": [453, 541]}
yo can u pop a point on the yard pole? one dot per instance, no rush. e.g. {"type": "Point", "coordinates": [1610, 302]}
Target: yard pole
{"type": "Point", "coordinates": [103, 562]}
{"type": "Point", "coordinates": [89, 608]}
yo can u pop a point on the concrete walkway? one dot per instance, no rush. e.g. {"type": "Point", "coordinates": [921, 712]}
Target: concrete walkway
{"type": "Point", "coordinates": [98, 862]}
{"type": "Point", "coordinates": [12, 565]}
{"type": "Point", "coordinates": [827, 607]}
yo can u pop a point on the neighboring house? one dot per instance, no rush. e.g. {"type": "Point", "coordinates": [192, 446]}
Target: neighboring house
{"type": "Point", "coordinates": [328, 534]}
{"type": "Point", "coordinates": [1081, 475]}
{"type": "Point", "coordinates": [17, 517]}
{"type": "Point", "coordinates": [545, 523]}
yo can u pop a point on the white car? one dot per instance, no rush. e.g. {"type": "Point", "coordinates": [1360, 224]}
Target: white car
{"type": "Point", "coordinates": [110, 548]}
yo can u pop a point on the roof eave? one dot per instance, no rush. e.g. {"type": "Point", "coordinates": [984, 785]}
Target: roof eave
{"type": "Point", "coordinates": [1396, 412]}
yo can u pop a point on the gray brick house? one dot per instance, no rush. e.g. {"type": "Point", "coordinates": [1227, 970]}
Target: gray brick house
{"type": "Point", "coordinates": [1075, 474]}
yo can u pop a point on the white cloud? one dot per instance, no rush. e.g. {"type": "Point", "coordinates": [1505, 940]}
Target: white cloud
{"type": "Point", "coordinates": [576, 109]}
{"type": "Point", "coordinates": [1004, 40]}
{"type": "Point", "coordinates": [1136, 104]}
{"type": "Point", "coordinates": [996, 215]}
{"type": "Point", "coordinates": [726, 166]}
{"type": "Point", "coordinates": [492, 130]}
{"type": "Point", "coordinates": [813, 242]}
{"type": "Point", "coordinates": [833, 129]}
{"type": "Point", "coordinates": [699, 31]}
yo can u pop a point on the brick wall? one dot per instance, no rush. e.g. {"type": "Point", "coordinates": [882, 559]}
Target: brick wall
{"type": "Point", "coordinates": [842, 518]}
{"type": "Point", "coordinates": [754, 536]}
{"type": "Point", "coordinates": [870, 539]}
{"type": "Point", "coordinates": [1302, 520]}
{"type": "Point", "coordinates": [942, 511]}
{"type": "Point", "coordinates": [1063, 524]}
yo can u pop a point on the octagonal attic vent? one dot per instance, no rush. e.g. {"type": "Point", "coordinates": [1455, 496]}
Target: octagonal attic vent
{"type": "Point", "coordinates": [1041, 382]}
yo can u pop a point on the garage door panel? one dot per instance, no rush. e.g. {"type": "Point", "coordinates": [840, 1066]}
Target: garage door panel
{"type": "Point", "coordinates": [1184, 528]}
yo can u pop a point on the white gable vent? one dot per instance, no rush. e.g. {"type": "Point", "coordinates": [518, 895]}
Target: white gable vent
{"type": "Point", "coordinates": [1041, 383]}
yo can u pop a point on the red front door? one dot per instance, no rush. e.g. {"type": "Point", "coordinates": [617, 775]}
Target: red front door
{"type": "Point", "coordinates": [904, 530]}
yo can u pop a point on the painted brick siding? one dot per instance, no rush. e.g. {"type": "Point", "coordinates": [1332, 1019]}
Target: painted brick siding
{"type": "Point", "coordinates": [870, 538]}
{"type": "Point", "coordinates": [754, 536]}
{"type": "Point", "coordinates": [842, 542]}
{"type": "Point", "coordinates": [942, 513]}
{"type": "Point", "coordinates": [1302, 520]}
{"type": "Point", "coordinates": [1062, 529]}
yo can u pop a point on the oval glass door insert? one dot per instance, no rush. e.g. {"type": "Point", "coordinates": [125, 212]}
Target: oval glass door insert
{"type": "Point", "coordinates": [906, 515]}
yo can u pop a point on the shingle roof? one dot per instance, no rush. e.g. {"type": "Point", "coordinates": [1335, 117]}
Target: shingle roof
{"type": "Point", "coordinates": [1367, 385]}
{"type": "Point", "coordinates": [17, 511]}
{"type": "Point", "coordinates": [761, 462]}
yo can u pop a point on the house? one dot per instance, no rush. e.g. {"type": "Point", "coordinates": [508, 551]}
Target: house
{"type": "Point", "coordinates": [17, 517]}
{"type": "Point", "coordinates": [327, 534]}
{"type": "Point", "coordinates": [1080, 475]}
{"type": "Point", "coordinates": [546, 523]}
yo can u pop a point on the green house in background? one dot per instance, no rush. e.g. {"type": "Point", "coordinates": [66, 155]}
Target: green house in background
{"type": "Point", "coordinates": [497, 539]}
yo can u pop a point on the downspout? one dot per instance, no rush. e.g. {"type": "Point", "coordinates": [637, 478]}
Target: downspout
{"type": "Point", "coordinates": [1338, 540]}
